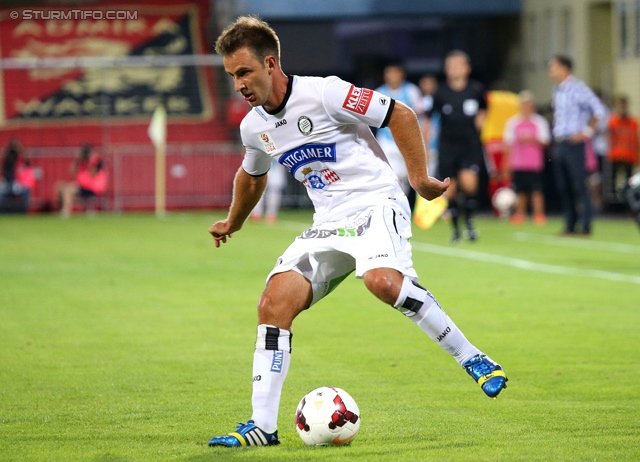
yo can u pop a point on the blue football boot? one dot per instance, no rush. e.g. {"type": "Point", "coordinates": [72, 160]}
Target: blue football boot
{"type": "Point", "coordinates": [488, 374]}
{"type": "Point", "coordinates": [246, 435]}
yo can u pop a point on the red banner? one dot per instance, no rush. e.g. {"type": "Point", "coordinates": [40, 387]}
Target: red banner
{"type": "Point", "coordinates": [46, 106]}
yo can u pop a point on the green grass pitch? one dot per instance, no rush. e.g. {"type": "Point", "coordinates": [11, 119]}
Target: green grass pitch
{"type": "Point", "coordinates": [131, 338]}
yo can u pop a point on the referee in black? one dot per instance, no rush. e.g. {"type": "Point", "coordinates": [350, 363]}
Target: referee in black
{"type": "Point", "coordinates": [462, 105]}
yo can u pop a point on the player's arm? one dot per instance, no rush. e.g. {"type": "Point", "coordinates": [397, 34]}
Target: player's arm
{"type": "Point", "coordinates": [407, 134]}
{"type": "Point", "coordinates": [481, 116]}
{"type": "Point", "coordinates": [247, 190]}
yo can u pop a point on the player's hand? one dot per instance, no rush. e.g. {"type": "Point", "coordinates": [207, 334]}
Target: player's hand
{"type": "Point", "coordinates": [220, 230]}
{"type": "Point", "coordinates": [432, 187]}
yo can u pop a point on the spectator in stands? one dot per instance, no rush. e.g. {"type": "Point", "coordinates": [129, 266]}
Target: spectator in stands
{"type": "Point", "coordinates": [525, 136]}
{"type": "Point", "coordinates": [90, 182]}
{"type": "Point", "coordinates": [16, 181]}
{"type": "Point", "coordinates": [269, 204]}
{"type": "Point", "coordinates": [625, 148]}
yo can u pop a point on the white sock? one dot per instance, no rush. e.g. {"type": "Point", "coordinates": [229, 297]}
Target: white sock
{"type": "Point", "coordinates": [270, 367]}
{"type": "Point", "coordinates": [421, 307]}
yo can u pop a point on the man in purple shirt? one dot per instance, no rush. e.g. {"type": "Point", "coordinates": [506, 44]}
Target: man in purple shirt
{"type": "Point", "coordinates": [576, 111]}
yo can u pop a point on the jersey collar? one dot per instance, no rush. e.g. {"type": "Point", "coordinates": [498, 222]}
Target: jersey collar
{"type": "Point", "coordinates": [285, 100]}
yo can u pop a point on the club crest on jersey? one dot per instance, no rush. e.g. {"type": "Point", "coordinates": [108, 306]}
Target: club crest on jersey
{"type": "Point", "coordinates": [305, 125]}
{"type": "Point", "coordinates": [267, 142]}
{"type": "Point", "coordinates": [358, 100]}
{"type": "Point", "coordinates": [314, 179]}
{"type": "Point", "coordinates": [305, 154]}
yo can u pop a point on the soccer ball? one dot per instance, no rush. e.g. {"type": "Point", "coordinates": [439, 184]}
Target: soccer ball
{"type": "Point", "coordinates": [503, 200]}
{"type": "Point", "coordinates": [327, 416]}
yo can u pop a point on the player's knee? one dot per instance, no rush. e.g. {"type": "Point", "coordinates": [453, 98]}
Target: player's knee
{"type": "Point", "coordinates": [384, 284]}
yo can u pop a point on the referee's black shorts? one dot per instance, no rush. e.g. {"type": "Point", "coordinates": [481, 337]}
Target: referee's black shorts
{"type": "Point", "coordinates": [459, 154]}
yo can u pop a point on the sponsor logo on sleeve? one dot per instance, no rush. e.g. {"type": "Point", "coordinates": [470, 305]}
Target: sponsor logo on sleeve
{"type": "Point", "coordinates": [358, 100]}
{"type": "Point", "coordinates": [267, 142]}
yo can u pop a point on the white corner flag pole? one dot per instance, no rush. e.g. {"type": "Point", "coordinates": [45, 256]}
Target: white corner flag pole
{"type": "Point", "coordinates": [158, 133]}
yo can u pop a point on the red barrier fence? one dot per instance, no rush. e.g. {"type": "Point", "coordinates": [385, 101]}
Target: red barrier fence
{"type": "Point", "coordinates": [198, 176]}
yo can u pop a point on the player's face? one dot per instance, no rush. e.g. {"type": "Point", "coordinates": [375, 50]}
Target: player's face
{"type": "Point", "coordinates": [251, 77]}
{"type": "Point", "coordinates": [457, 67]}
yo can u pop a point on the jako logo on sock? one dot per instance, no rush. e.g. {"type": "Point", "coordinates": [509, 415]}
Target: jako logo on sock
{"type": "Point", "coordinates": [276, 363]}
{"type": "Point", "coordinates": [440, 337]}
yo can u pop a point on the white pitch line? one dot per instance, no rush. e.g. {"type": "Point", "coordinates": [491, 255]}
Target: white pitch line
{"type": "Point", "coordinates": [579, 243]}
{"type": "Point", "coordinates": [523, 264]}
{"type": "Point", "coordinates": [499, 259]}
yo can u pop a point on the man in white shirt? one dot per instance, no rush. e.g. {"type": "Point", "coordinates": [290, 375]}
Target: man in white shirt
{"type": "Point", "coordinates": [318, 129]}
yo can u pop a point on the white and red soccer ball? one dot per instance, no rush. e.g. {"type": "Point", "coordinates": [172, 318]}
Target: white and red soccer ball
{"type": "Point", "coordinates": [327, 416]}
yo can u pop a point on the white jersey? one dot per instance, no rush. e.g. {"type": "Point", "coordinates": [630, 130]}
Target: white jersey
{"type": "Point", "coordinates": [321, 135]}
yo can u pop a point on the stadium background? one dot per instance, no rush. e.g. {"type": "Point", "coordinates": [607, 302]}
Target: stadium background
{"type": "Point", "coordinates": [67, 81]}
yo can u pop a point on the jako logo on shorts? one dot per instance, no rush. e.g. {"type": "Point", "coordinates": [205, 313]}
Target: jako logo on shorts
{"type": "Point", "coordinates": [276, 362]}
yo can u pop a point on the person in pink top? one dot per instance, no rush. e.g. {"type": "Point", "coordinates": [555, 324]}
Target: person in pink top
{"type": "Point", "coordinates": [90, 182]}
{"type": "Point", "coordinates": [525, 135]}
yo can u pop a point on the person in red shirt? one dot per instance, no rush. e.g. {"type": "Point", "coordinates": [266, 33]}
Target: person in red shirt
{"type": "Point", "coordinates": [624, 152]}
{"type": "Point", "coordinates": [90, 181]}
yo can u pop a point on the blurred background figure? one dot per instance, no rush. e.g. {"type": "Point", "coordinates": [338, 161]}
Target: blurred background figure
{"type": "Point", "coordinates": [17, 180]}
{"type": "Point", "coordinates": [428, 85]}
{"type": "Point", "coordinates": [269, 204]}
{"type": "Point", "coordinates": [525, 137]}
{"type": "Point", "coordinates": [397, 87]}
{"type": "Point", "coordinates": [89, 184]}
{"type": "Point", "coordinates": [624, 153]}
{"type": "Point", "coordinates": [501, 105]}
{"type": "Point", "coordinates": [597, 151]}
{"type": "Point", "coordinates": [576, 111]}
{"type": "Point", "coordinates": [462, 105]}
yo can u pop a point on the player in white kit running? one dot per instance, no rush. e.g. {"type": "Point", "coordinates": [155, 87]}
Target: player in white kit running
{"type": "Point", "coordinates": [318, 129]}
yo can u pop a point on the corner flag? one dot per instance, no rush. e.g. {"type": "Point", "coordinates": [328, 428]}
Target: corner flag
{"type": "Point", "coordinates": [157, 131]}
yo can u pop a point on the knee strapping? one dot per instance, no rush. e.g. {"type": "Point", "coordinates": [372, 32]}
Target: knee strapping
{"type": "Point", "coordinates": [273, 338]}
{"type": "Point", "coordinates": [412, 297]}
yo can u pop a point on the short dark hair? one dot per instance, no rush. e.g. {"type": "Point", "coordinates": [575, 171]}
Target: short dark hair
{"type": "Point", "coordinates": [251, 32]}
{"type": "Point", "coordinates": [458, 53]}
{"type": "Point", "coordinates": [564, 60]}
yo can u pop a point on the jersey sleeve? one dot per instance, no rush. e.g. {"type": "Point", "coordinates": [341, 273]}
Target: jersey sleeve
{"type": "Point", "coordinates": [256, 162]}
{"type": "Point", "coordinates": [509, 135]}
{"type": "Point", "coordinates": [544, 132]}
{"type": "Point", "coordinates": [347, 104]}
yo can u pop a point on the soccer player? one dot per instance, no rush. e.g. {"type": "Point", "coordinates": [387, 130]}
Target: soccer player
{"type": "Point", "coordinates": [361, 221]}
{"type": "Point", "coordinates": [462, 106]}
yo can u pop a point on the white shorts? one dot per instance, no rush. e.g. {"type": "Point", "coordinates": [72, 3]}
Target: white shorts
{"type": "Point", "coordinates": [376, 237]}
